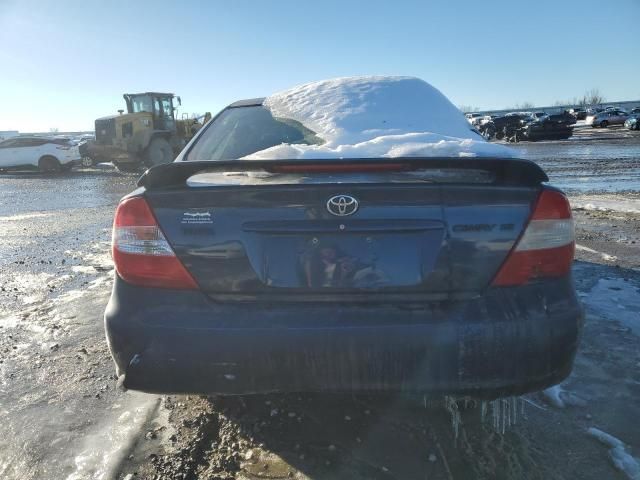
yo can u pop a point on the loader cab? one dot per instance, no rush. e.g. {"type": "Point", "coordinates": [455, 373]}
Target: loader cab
{"type": "Point", "coordinates": [160, 105]}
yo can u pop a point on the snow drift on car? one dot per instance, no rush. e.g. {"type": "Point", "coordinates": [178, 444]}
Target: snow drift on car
{"type": "Point", "coordinates": [376, 116]}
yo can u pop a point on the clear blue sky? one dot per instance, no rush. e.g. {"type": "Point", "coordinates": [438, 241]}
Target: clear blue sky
{"type": "Point", "coordinates": [66, 62]}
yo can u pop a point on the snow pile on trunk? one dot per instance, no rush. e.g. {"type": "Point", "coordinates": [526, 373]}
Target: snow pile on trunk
{"type": "Point", "coordinates": [376, 116]}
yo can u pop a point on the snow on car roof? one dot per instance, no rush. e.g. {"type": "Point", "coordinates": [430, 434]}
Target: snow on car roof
{"type": "Point", "coordinates": [376, 116]}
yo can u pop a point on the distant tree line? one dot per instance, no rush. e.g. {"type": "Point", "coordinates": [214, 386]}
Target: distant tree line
{"type": "Point", "coordinates": [591, 97]}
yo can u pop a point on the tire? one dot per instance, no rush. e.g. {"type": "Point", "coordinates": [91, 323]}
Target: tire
{"type": "Point", "coordinates": [158, 152]}
{"type": "Point", "coordinates": [87, 162]}
{"type": "Point", "coordinates": [49, 164]}
{"type": "Point", "coordinates": [604, 124]}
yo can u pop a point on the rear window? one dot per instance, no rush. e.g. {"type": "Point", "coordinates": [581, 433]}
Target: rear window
{"type": "Point", "coordinates": [59, 141]}
{"type": "Point", "coordinates": [240, 131]}
{"type": "Point", "coordinates": [30, 142]}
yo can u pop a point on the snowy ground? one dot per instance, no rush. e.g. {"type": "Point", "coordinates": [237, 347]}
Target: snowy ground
{"type": "Point", "coordinates": [62, 417]}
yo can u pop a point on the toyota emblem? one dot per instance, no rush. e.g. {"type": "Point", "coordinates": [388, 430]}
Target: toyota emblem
{"type": "Point", "coordinates": [342, 205]}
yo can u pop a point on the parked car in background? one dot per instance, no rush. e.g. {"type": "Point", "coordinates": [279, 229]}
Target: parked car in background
{"type": "Point", "coordinates": [633, 122]}
{"type": "Point", "coordinates": [48, 154]}
{"type": "Point", "coordinates": [635, 111]}
{"type": "Point", "coordinates": [550, 127]}
{"type": "Point", "coordinates": [565, 117]}
{"type": "Point", "coordinates": [85, 159]}
{"type": "Point", "coordinates": [504, 127]}
{"type": "Point", "coordinates": [606, 118]}
{"type": "Point", "coordinates": [579, 113]}
{"type": "Point", "coordinates": [4, 134]}
{"type": "Point", "coordinates": [473, 117]}
{"type": "Point", "coordinates": [84, 138]}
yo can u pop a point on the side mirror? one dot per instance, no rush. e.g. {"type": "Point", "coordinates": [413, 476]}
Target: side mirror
{"type": "Point", "coordinates": [179, 101]}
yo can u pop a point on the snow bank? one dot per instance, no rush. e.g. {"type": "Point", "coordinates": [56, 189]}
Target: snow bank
{"type": "Point", "coordinates": [603, 203]}
{"type": "Point", "coordinates": [561, 398]}
{"type": "Point", "coordinates": [618, 453]}
{"type": "Point", "coordinates": [376, 116]}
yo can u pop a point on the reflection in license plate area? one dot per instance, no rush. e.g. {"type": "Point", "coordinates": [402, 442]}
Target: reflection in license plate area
{"type": "Point", "coordinates": [345, 261]}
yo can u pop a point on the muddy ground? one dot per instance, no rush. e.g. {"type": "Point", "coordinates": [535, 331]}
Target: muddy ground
{"type": "Point", "coordinates": [61, 415]}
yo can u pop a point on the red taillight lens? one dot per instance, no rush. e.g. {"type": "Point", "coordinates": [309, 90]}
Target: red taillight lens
{"type": "Point", "coordinates": [141, 252]}
{"type": "Point", "coordinates": [545, 249]}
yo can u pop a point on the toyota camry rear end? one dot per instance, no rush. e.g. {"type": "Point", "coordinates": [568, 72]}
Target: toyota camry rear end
{"type": "Point", "coordinates": [432, 275]}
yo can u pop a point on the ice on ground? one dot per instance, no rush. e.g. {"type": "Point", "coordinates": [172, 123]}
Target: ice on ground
{"type": "Point", "coordinates": [553, 395]}
{"type": "Point", "coordinates": [10, 321]}
{"type": "Point", "coordinates": [561, 398]}
{"type": "Point", "coordinates": [620, 458]}
{"type": "Point", "coordinates": [604, 256]}
{"type": "Point", "coordinates": [24, 216]}
{"type": "Point", "coordinates": [373, 117]}
{"type": "Point", "coordinates": [104, 450]}
{"type": "Point", "coordinates": [616, 299]}
{"type": "Point", "coordinates": [606, 203]}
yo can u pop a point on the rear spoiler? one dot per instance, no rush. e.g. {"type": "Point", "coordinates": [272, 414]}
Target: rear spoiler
{"type": "Point", "coordinates": [510, 171]}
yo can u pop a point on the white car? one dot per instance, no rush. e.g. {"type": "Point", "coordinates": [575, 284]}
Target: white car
{"type": "Point", "coordinates": [48, 154]}
{"type": "Point", "coordinates": [472, 117]}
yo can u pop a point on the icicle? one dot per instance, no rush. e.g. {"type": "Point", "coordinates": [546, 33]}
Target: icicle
{"type": "Point", "coordinates": [504, 412]}
{"type": "Point", "coordinates": [452, 407]}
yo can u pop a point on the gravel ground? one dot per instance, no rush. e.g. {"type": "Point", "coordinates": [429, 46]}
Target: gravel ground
{"type": "Point", "coordinates": [62, 416]}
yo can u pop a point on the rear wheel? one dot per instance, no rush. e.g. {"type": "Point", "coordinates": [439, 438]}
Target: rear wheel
{"type": "Point", "coordinates": [604, 124]}
{"type": "Point", "coordinates": [86, 162]}
{"type": "Point", "coordinates": [158, 152]}
{"type": "Point", "coordinates": [49, 164]}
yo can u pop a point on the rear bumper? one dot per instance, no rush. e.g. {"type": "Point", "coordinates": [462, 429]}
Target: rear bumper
{"type": "Point", "coordinates": [508, 342]}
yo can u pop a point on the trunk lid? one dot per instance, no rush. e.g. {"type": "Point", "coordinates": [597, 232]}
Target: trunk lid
{"type": "Point", "coordinates": [250, 235]}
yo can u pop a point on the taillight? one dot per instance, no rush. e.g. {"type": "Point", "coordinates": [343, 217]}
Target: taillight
{"type": "Point", "coordinates": [141, 252]}
{"type": "Point", "coordinates": [545, 249]}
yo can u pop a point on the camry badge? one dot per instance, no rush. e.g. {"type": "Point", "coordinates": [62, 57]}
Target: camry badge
{"type": "Point", "coordinates": [342, 205]}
